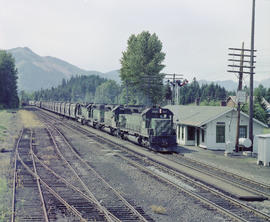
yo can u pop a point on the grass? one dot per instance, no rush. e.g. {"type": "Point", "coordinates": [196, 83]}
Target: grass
{"type": "Point", "coordinates": [158, 209]}
{"type": "Point", "coordinates": [5, 195]}
{"type": "Point", "coordinates": [5, 191]}
{"type": "Point", "coordinates": [6, 121]}
{"type": "Point", "coordinates": [29, 119]}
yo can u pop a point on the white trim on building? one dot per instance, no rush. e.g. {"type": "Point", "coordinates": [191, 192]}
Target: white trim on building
{"type": "Point", "coordinates": [210, 127]}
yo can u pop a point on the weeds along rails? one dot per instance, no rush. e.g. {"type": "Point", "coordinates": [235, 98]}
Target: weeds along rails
{"type": "Point", "coordinates": [149, 127]}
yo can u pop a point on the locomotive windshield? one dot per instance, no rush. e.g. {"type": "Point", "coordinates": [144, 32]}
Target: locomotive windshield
{"type": "Point", "coordinates": [160, 114]}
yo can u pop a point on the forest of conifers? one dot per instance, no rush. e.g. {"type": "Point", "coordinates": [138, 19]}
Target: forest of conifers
{"type": "Point", "coordinates": [88, 89]}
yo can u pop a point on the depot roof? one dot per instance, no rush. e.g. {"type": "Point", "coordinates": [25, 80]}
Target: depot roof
{"type": "Point", "coordinates": [200, 115]}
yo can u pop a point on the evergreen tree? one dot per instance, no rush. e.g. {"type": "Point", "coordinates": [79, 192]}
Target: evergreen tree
{"type": "Point", "coordinates": [81, 89]}
{"type": "Point", "coordinates": [168, 92]}
{"type": "Point", "coordinates": [8, 81]}
{"type": "Point", "coordinates": [107, 92]}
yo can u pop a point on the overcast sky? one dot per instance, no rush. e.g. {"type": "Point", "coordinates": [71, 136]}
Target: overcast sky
{"type": "Point", "coordinates": [92, 34]}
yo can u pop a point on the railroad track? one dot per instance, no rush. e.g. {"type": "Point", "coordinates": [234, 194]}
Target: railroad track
{"type": "Point", "coordinates": [232, 208]}
{"type": "Point", "coordinates": [248, 184]}
{"type": "Point", "coordinates": [41, 195]}
{"type": "Point", "coordinates": [114, 203]}
{"type": "Point", "coordinates": [24, 184]}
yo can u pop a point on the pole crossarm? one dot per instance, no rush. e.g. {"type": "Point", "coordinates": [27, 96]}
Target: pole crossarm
{"type": "Point", "coordinates": [237, 71]}
{"type": "Point", "coordinates": [239, 66]}
{"type": "Point", "coordinates": [171, 74]}
{"type": "Point", "coordinates": [237, 60]}
{"type": "Point", "coordinates": [233, 54]}
{"type": "Point", "coordinates": [247, 50]}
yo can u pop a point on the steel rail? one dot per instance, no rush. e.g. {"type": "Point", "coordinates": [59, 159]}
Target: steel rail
{"type": "Point", "coordinates": [134, 211]}
{"type": "Point", "coordinates": [15, 179]}
{"type": "Point", "coordinates": [69, 184]}
{"type": "Point", "coordinates": [176, 173]}
{"type": "Point", "coordinates": [38, 180]}
{"type": "Point", "coordinates": [198, 197]}
{"type": "Point", "coordinates": [223, 179]}
{"type": "Point", "coordinates": [265, 186]}
{"type": "Point", "coordinates": [93, 199]}
{"type": "Point", "coordinates": [68, 206]}
{"type": "Point", "coordinates": [218, 193]}
{"type": "Point", "coordinates": [121, 147]}
{"type": "Point", "coordinates": [105, 211]}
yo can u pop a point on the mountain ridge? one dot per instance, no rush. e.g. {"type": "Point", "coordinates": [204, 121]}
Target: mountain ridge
{"type": "Point", "coordinates": [37, 72]}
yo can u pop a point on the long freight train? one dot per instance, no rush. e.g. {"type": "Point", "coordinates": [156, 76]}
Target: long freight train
{"type": "Point", "coordinates": [149, 127]}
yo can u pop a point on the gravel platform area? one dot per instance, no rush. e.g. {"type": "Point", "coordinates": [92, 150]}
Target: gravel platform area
{"type": "Point", "coordinates": [238, 164]}
{"type": "Point", "coordinates": [159, 201]}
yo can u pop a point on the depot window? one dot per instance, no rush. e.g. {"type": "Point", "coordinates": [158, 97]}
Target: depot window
{"type": "Point", "coordinates": [191, 133]}
{"type": "Point", "coordinates": [202, 136]}
{"type": "Point", "coordinates": [220, 133]}
{"type": "Point", "coordinates": [242, 131]}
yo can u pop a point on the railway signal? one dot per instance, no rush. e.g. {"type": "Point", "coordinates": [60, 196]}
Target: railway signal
{"type": "Point", "coordinates": [176, 81]}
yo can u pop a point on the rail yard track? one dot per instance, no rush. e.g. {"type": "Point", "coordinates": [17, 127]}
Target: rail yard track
{"type": "Point", "coordinates": [210, 197]}
{"type": "Point", "coordinates": [41, 194]}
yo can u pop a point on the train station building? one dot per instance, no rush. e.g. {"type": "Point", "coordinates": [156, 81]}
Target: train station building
{"type": "Point", "coordinates": [210, 127]}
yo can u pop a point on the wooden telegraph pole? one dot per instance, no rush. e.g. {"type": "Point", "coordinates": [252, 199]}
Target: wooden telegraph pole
{"type": "Point", "coordinates": [240, 63]}
{"type": "Point", "coordinates": [238, 102]}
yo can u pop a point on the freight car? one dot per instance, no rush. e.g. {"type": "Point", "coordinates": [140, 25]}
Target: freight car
{"type": "Point", "coordinates": [149, 127]}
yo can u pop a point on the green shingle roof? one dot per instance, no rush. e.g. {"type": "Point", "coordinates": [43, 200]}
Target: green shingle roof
{"type": "Point", "coordinates": [197, 115]}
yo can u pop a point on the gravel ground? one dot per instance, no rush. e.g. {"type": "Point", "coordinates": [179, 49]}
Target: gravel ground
{"type": "Point", "coordinates": [159, 201]}
{"type": "Point", "coordinates": [241, 165]}
{"type": "Point", "coordinates": [238, 164]}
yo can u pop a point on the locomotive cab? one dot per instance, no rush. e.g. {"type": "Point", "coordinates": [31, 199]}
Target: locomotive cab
{"type": "Point", "coordinates": [159, 123]}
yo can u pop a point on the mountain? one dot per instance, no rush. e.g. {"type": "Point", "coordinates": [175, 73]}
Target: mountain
{"type": "Point", "coordinates": [231, 85]}
{"type": "Point", "coordinates": [36, 72]}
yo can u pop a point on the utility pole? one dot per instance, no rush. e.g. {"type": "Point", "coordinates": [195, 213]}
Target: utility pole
{"type": "Point", "coordinates": [240, 63]}
{"type": "Point", "coordinates": [238, 102]}
{"type": "Point", "coordinates": [251, 76]}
